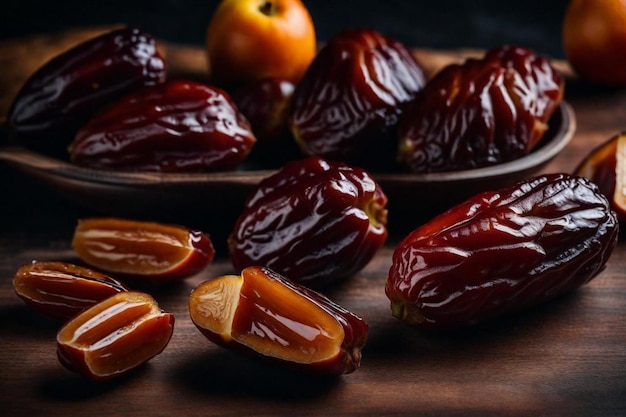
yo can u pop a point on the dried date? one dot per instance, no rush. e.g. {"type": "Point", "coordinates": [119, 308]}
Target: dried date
{"type": "Point", "coordinates": [501, 251]}
{"type": "Point", "coordinates": [480, 113]}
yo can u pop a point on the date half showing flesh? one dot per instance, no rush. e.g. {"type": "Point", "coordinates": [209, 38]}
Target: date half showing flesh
{"type": "Point", "coordinates": [480, 113]}
{"type": "Point", "coordinates": [264, 314]}
{"type": "Point", "coordinates": [501, 251]}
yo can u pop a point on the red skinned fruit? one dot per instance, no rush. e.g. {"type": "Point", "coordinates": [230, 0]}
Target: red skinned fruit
{"type": "Point", "coordinates": [313, 221]}
{"type": "Point", "coordinates": [59, 97]}
{"type": "Point", "coordinates": [263, 314]}
{"type": "Point", "coordinates": [501, 251]}
{"type": "Point", "coordinates": [480, 113]}
{"type": "Point", "coordinates": [114, 336]}
{"type": "Point", "coordinates": [347, 105]}
{"type": "Point", "coordinates": [149, 251]}
{"type": "Point", "coordinates": [178, 126]}
{"type": "Point", "coordinates": [61, 290]}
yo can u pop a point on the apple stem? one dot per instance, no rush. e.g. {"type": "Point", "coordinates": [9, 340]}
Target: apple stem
{"type": "Point", "coordinates": [268, 8]}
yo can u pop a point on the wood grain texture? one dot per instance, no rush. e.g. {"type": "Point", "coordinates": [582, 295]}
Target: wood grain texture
{"type": "Point", "coordinates": [566, 357]}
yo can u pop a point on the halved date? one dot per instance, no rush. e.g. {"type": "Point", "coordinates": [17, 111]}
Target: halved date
{"type": "Point", "coordinates": [114, 336]}
{"type": "Point", "coordinates": [264, 314]}
{"type": "Point", "coordinates": [176, 126]}
{"type": "Point", "coordinates": [480, 113]}
{"type": "Point", "coordinates": [501, 251]}
{"type": "Point", "coordinates": [61, 290]}
{"type": "Point", "coordinates": [144, 250]}
{"type": "Point", "coordinates": [59, 97]}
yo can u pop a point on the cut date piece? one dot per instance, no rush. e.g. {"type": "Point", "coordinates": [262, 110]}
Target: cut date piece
{"type": "Point", "coordinates": [264, 314]}
{"type": "Point", "coordinates": [178, 126]}
{"type": "Point", "coordinates": [114, 336]}
{"type": "Point", "coordinates": [501, 251]}
{"type": "Point", "coordinates": [149, 251]}
{"type": "Point", "coordinates": [606, 167]}
{"type": "Point", "coordinates": [314, 221]}
{"type": "Point", "coordinates": [61, 290]}
{"type": "Point", "coordinates": [480, 113]}
{"type": "Point", "coordinates": [59, 97]}
{"type": "Point", "coordinates": [348, 104]}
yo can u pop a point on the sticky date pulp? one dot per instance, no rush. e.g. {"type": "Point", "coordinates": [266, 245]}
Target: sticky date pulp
{"type": "Point", "coordinates": [501, 251]}
{"type": "Point", "coordinates": [480, 113]}
{"type": "Point", "coordinates": [264, 314]}
{"type": "Point", "coordinates": [178, 126]}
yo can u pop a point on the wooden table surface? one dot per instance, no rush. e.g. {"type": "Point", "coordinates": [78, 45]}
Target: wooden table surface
{"type": "Point", "coordinates": [565, 358]}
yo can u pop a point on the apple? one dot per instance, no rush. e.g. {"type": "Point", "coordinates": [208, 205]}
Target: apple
{"type": "Point", "coordinates": [249, 40]}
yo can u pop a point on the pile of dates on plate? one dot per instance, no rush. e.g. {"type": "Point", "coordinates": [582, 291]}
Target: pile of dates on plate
{"type": "Point", "coordinates": [364, 105]}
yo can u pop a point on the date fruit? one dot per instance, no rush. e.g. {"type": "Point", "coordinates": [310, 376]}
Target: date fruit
{"type": "Point", "coordinates": [347, 105]}
{"type": "Point", "coordinates": [149, 251]}
{"type": "Point", "coordinates": [314, 221]}
{"type": "Point", "coordinates": [480, 113]}
{"type": "Point", "coordinates": [264, 314]}
{"type": "Point", "coordinates": [606, 167]}
{"type": "Point", "coordinates": [501, 251]}
{"type": "Point", "coordinates": [61, 290]}
{"type": "Point", "coordinates": [59, 97]}
{"type": "Point", "coordinates": [178, 126]}
{"type": "Point", "coordinates": [114, 336]}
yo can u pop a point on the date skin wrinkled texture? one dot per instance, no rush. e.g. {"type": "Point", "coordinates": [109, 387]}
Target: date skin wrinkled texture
{"type": "Point", "coordinates": [480, 113]}
{"type": "Point", "coordinates": [59, 97]}
{"type": "Point", "coordinates": [314, 221]}
{"type": "Point", "coordinates": [501, 251]}
{"type": "Point", "coordinates": [178, 126]}
{"type": "Point", "coordinates": [348, 104]}
{"type": "Point", "coordinates": [355, 329]}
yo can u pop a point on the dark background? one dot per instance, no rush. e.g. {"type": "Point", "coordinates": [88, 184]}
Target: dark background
{"type": "Point", "coordinates": [421, 23]}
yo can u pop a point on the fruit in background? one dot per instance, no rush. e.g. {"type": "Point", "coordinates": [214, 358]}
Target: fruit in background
{"type": "Point", "coordinates": [143, 250]}
{"type": "Point", "coordinates": [265, 103]}
{"type": "Point", "coordinates": [480, 113]}
{"type": "Point", "coordinates": [606, 167]}
{"type": "Point", "coordinates": [347, 105]}
{"type": "Point", "coordinates": [177, 126]}
{"type": "Point", "coordinates": [264, 314]}
{"type": "Point", "coordinates": [61, 95]}
{"type": "Point", "coordinates": [114, 336]}
{"type": "Point", "coordinates": [313, 221]}
{"type": "Point", "coordinates": [249, 40]}
{"type": "Point", "coordinates": [594, 40]}
{"type": "Point", "coordinates": [457, 269]}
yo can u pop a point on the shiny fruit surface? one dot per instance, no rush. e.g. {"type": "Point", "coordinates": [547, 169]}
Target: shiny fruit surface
{"type": "Point", "coordinates": [594, 40]}
{"type": "Point", "coordinates": [264, 314]}
{"type": "Point", "coordinates": [249, 40]}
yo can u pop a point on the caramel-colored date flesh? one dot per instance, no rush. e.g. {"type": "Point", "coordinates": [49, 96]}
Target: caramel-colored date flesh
{"type": "Point", "coordinates": [114, 336]}
{"type": "Point", "coordinates": [61, 290]}
{"type": "Point", "coordinates": [263, 314]}
{"type": "Point", "coordinates": [501, 251]}
{"type": "Point", "coordinates": [150, 251]}
{"type": "Point", "coordinates": [178, 126]}
{"type": "Point", "coordinates": [480, 113]}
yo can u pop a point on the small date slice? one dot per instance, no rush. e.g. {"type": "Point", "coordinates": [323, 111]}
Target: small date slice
{"type": "Point", "coordinates": [501, 251]}
{"type": "Point", "coordinates": [61, 95]}
{"type": "Point", "coordinates": [114, 336]}
{"type": "Point", "coordinates": [480, 113]}
{"type": "Point", "coordinates": [178, 126]}
{"type": "Point", "coordinates": [61, 290]}
{"type": "Point", "coordinates": [149, 251]}
{"type": "Point", "coordinates": [606, 167]}
{"type": "Point", "coordinates": [264, 314]}
{"type": "Point", "coordinates": [314, 221]}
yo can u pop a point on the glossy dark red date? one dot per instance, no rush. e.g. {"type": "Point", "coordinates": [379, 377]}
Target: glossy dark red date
{"type": "Point", "coordinates": [501, 251]}
{"type": "Point", "coordinates": [480, 113]}
{"type": "Point", "coordinates": [349, 101]}
{"type": "Point", "coordinates": [59, 97]}
{"type": "Point", "coordinates": [178, 126]}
